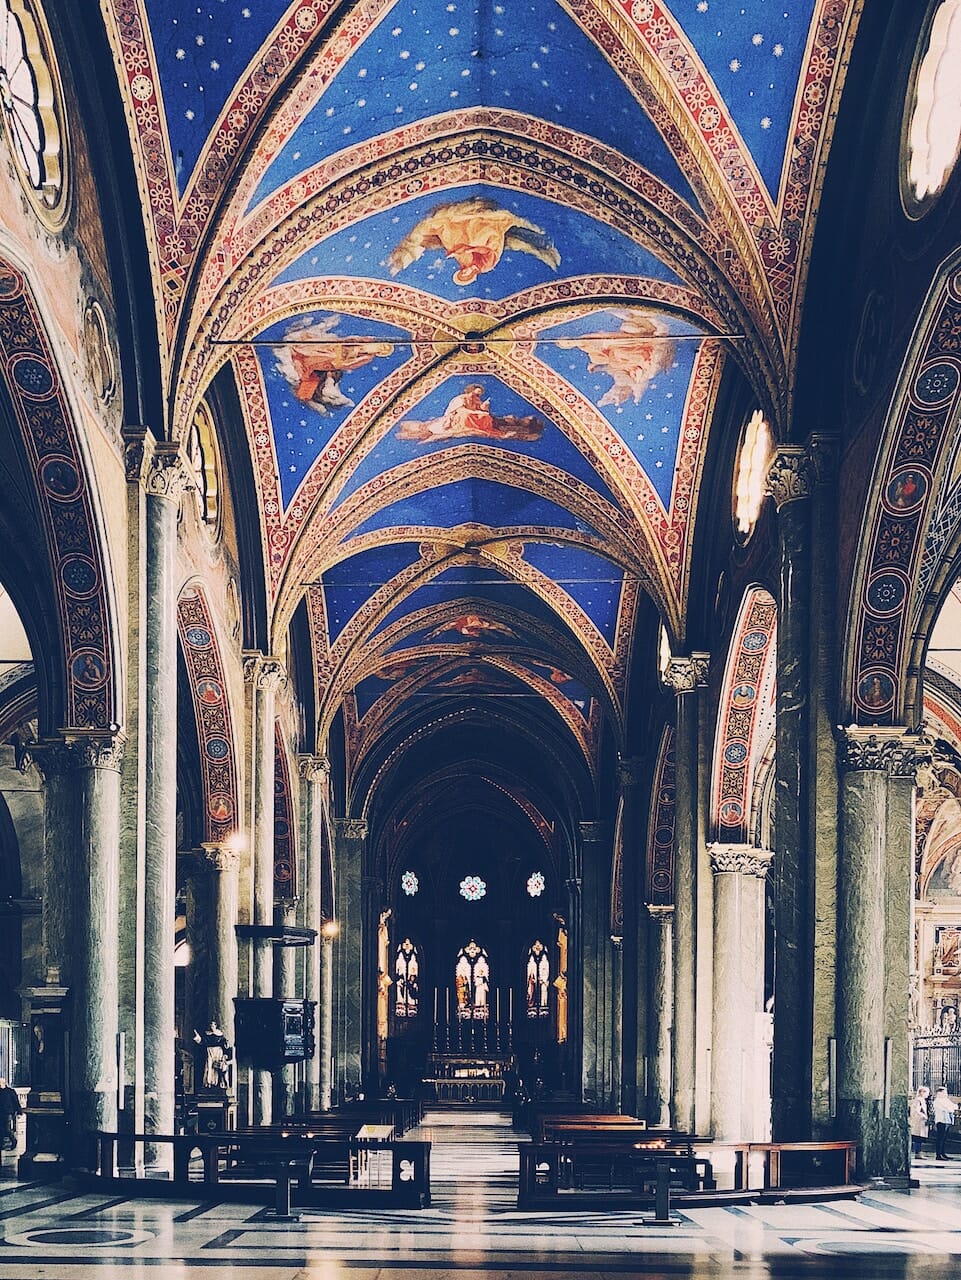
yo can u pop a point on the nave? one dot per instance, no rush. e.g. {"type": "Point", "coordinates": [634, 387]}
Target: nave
{"type": "Point", "coordinates": [473, 1230]}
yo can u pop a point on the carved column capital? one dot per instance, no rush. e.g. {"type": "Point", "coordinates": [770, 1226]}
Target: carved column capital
{"type": "Point", "coordinates": [167, 475]}
{"type": "Point", "coordinates": [630, 771]}
{"type": "Point", "coordinates": [352, 828]}
{"type": "Point", "coordinates": [139, 443]}
{"type": "Point", "coordinates": [789, 475]}
{"type": "Point", "coordinates": [594, 832]}
{"type": "Point", "coordinates": [894, 752]}
{"type": "Point", "coordinates": [617, 942]}
{"type": "Point", "coordinates": [265, 674]}
{"type": "Point", "coordinates": [740, 859]}
{"type": "Point", "coordinates": [96, 750]}
{"type": "Point", "coordinates": [222, 857]}
{"type": "Point", "coordinates": [685, 675]}
{"type": "Point", "coordinates": [823, 449]}
{"type": "Point", "coordinates": [313, 768]}
{"type": "Point", "coordinates": [661, 913]}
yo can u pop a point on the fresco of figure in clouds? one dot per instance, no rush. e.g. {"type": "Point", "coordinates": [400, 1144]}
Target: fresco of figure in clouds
{"type": "Point", "coordinates": [468, 414]}
{"type": "Point", "coordinates": [475, 233]}
{"type": "Point", "coordinates": [473, 627]}
{"type": "Point", "coordinates": [632, 355]}
{"type": "Point", "coordinates": [313, 359]}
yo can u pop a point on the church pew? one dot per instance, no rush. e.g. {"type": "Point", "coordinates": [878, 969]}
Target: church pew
{"type": "Point", "coordinates": [553, 1175]}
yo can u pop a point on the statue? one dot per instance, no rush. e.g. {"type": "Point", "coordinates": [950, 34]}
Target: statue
{"type": "Point", "coordinates": [218, 1057]}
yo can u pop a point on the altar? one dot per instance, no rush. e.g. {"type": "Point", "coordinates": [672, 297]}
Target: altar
{"type": "Point", "coordinates": [453, 1078]}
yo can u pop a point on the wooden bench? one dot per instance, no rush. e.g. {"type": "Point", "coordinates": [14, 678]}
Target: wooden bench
{"type": "Point", "coordinates": [790, 1165]}
{"type": "Point", "coordinates": [554, 1174]}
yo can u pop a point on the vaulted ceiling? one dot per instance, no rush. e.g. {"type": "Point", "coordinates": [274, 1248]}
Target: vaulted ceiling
{"type": "Point", "coordinates": [477, 271]}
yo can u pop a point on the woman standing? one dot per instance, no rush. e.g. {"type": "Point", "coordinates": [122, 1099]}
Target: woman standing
{"type": "Point", "coordinates": [943, 1120]}
{"type": "Point", "coordinates": [919, 1120]}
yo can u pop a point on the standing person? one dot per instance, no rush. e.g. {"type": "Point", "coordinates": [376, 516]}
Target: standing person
{"type": "Point", "coordinates": [10, 1108]}
{"type": "Point", "coordinates": [919, 1120]}
{"type": "Point", "coordinates": [943, 1120]}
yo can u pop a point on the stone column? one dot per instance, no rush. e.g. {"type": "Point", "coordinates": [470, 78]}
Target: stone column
{"type": "Point", "coordinates": [265, 676]}
{"type": "Point", "coordinates": [617, 1033]}
{"type": "Point", "coordinates": [575, 982]}
{"type": "Point", "coordinates": [285, 1081]}
{"type": "Point", "coordinates": [685, 676]}
{"type": "Point", "coordinates": [660, 1082]}
{"type": "Point", "coordinates": [222, 940]}
{"type": "Point", "coordinates": [91, 880]}
{"type": "Point", "coordinates": [739, 875]}
{"type": "Point", "coordinates": [348, 1052]}
{"type": "Point", "coordinates": [596, 1006]}
{"type": "Point", "coordinates": [325, 1015]}
{"type": "Point", "coordinates": [822, 791]}
{"type": "Point", "coordinates": [371, 891]}
{"type": "Point", "coordinates": [630, 1048]}
{"type": "Point", "coordinates": [315, 775]}
{"type": "Point", "coordinates": [871, 883]}
{"type": "Point", "coordinates": [165, 480]}
{"type": "Point", "coordinates": [789, 484]}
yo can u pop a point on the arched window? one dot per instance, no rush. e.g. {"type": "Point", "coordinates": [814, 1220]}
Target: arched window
{"type": "Point", "coordinates": [472, 982]}
{"type": "Point", "coordinates": [752, 464]}
{"type": "Point", "coordinates": [932, 127]}
{"type": "Point", "coordinates": [406, 970]}
{"type": "Point", "coordinates": [538, 981]}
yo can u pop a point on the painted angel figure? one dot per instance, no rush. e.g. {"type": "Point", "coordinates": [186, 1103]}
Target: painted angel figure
{"type": "Point", "coordinates": [313, 359]}
{"type": "Point", "coordinates": [632, 355]}
{"type": "Point", "coordinates": [475, 233]}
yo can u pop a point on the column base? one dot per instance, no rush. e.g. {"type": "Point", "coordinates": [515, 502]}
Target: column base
{"type": "Point", "coordinates": [882, 1141]}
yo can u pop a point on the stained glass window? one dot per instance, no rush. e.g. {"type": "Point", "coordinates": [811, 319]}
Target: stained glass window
{"type": "Point", "coordinates": [472, 888]}
{"type": "Point", "coordinates": [472, 982]}
{"type": "Point", "coordinates": [752, 464]}
{"type": "Point", "coordinates": [409, 883]}
{"type": "Point", "coordinates": [538, 981]}
{"type": "Point", "coordinates": [406, 970]}
{"type": "Point", "coordinates": [934, 112]}
{"type": "Point", "coordinates": [535, 884]}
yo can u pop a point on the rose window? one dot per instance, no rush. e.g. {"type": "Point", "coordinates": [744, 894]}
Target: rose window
{"type": "Point", "coordinates": [536, 884]}
{"type": "Point", "coordinates": [472, 888]}
{"type": "Point", "coordinates": [409, 883]}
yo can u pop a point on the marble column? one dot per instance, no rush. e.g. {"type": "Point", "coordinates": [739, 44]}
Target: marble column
{"type": "Point", "coordinates": [575, 970]}
{"type": "Point", "coordinates": [315, 774]}
{"type": "Point", "coordinates": [222, 860]}
{"type": "Point", "coordinates": [165, 480]}
{"type": "Point", "coordinates": [596, 1007]}
{"type": "Point", "coordinates": [285, 977]}
{"type": "Point", "coordinates": [685, 676]}
{"type": "Point", "coordinates": [325, 1016]}
{"type": "Point", "coordinates": [630, 1048]}
{"type": "Point", "coordinates": [348, 1051]}
{"type": "Point", "coordinates": [871, 883]}
{"type": "Point", "coordinates": [371, 893]}
{"type": "Point", "coordinates": [617, 1032]}
{"type": "Point", "coordinates": [92, 974]}
{"type": "Point", "coordinates": [265, 675]}
{"type": "Point", "coordinates": [822, 791]}
{"type": "Point", "coordinates": [739, 875]}
{"type": "Point", "coordinates": [660, 1080]}
{"type": "Point", "coordinates": [788, 482]}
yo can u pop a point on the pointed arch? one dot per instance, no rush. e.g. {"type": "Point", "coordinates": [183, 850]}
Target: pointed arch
{"type": "Point", "coordinates": [205, 670]}
{"type": "Point", "coordinates": [746, 696]}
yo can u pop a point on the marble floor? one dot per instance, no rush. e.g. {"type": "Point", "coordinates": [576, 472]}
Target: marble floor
{"type": "Point", "coordinates": [57, 1232]}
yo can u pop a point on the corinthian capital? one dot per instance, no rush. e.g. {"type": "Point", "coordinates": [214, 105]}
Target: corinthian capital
{"type": "Point", "coordinates": [264, 673]}
{"type": "Point", "coordinates": [684, 675]}
{"type": "Point", "coordinates": [661, 913]}
{"type": "Point", "coordinates": [222, 857]}
{"type": "Point", "coordinates": [629, 771]}
{"type": "Point", "coordinates": [139, 444]}
{"type": "Point", "coordinates": [313, 768]}
{"type": "Point", "coordinates": [97, 750]}
{"type": "Point", "coordinates": [740, 859]}
{"type": "Point", "coordinates": [166, 474]}
{"type": "Point", "coordinates": [352, 828]}
{"type": "Point", "coordinates": [894, 752]}
{"type": "Point", "coordinates": [789, 475]}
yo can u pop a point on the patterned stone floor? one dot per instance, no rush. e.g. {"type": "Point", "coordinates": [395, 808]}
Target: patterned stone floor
{"type": "Point", "coordinates": [474, 1231]}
